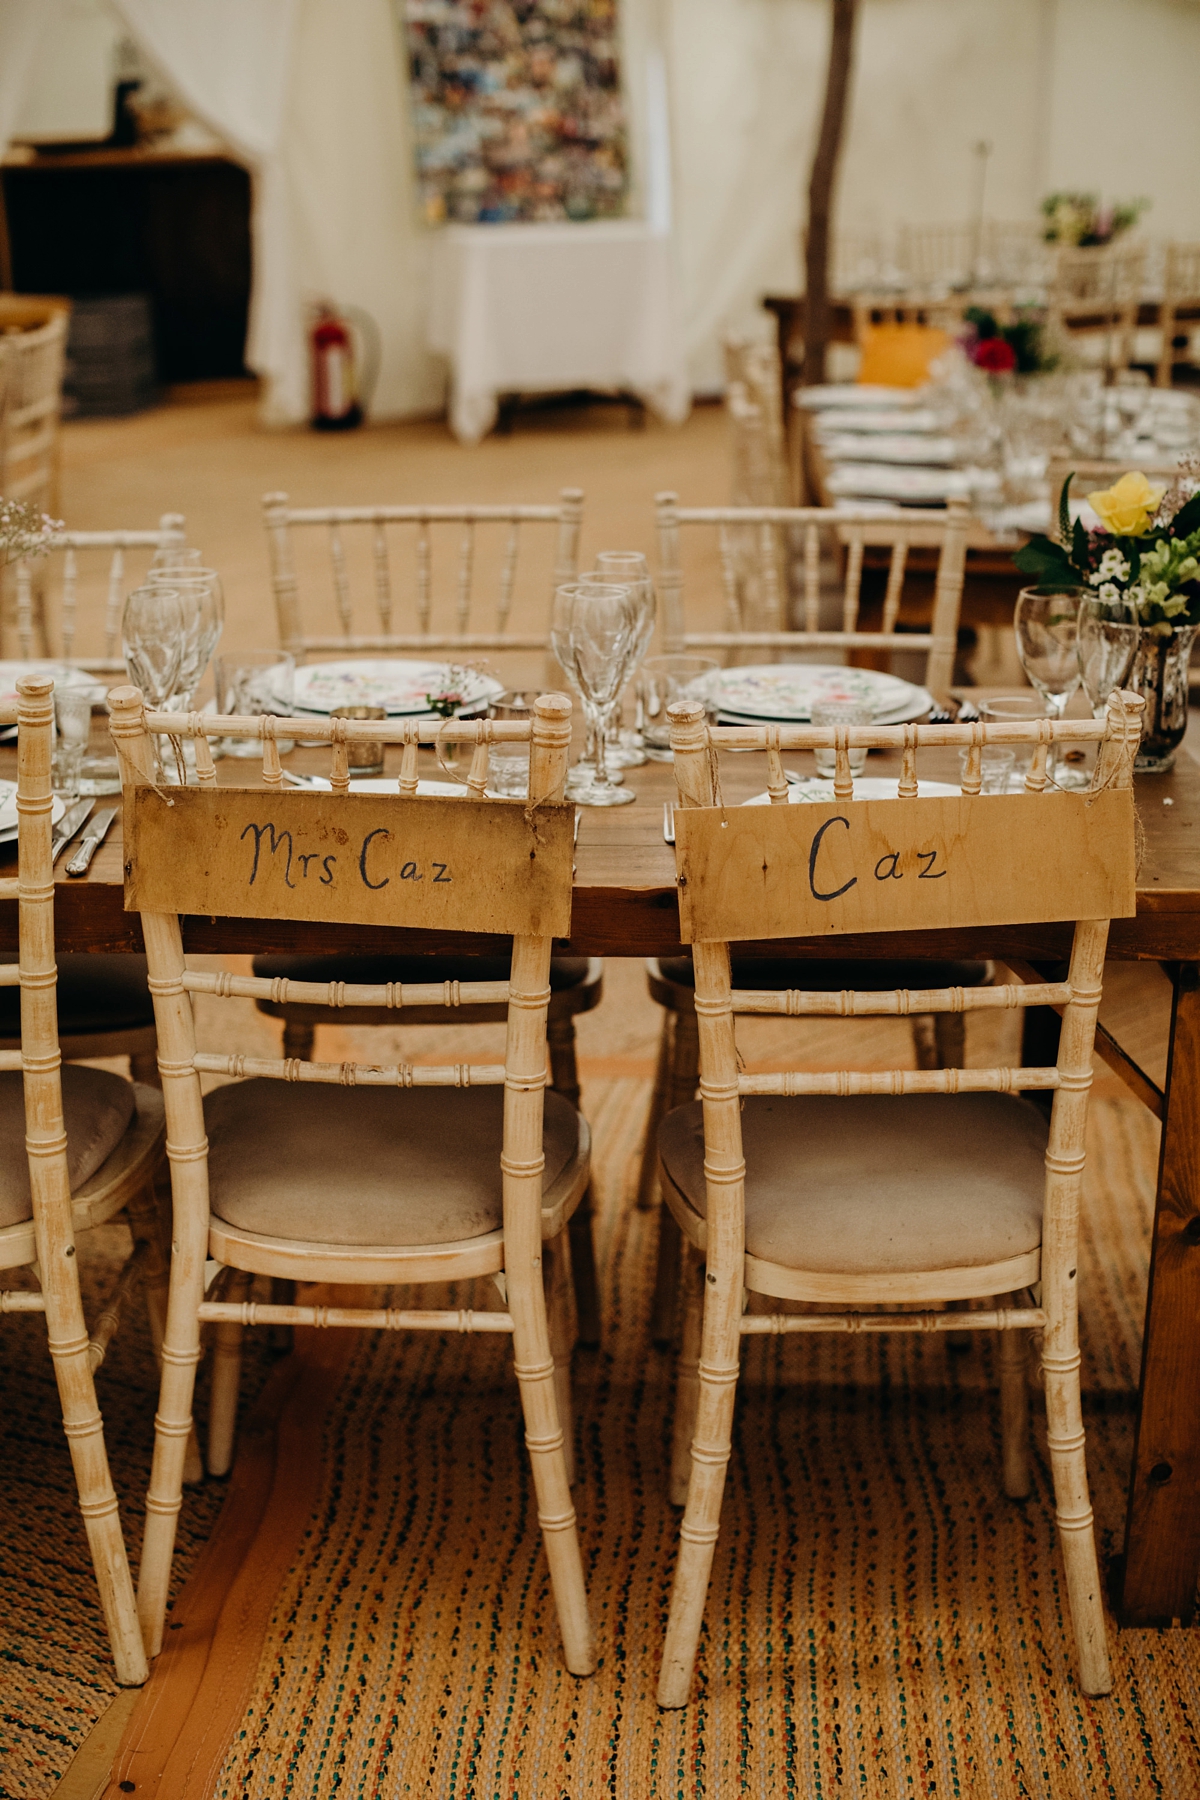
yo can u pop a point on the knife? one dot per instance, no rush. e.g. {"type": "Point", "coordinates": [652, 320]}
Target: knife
{"type": "Point", "coordinates": [67, 826]}
{"type": "Point", "coordinates": [78, 864]}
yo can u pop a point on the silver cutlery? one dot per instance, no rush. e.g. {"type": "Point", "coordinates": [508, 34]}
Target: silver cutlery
{"type": "Point", "coordinates": [67, 826]}
{"type": "Point", "coordinates": [81, 860]}
{"type": "Point", "coordinates": [304, 781]}
{"type": "Point", "coordinates": [668, 822]}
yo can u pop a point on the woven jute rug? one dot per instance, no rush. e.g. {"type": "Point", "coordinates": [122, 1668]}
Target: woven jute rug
{"type": "Point", "coordinates": [881, 1620]}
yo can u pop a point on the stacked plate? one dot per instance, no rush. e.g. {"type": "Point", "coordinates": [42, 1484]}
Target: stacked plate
{"type": "Point", "coordinates": [8, 812]}
{"type": "Point", "coordinates": [59, 673]}
{"type": "Point", "coordinates": [784, 692]}
{"type": "Point", "coordinates": [404, 689]}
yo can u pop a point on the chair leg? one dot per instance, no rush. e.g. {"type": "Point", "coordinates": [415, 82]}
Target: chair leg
{"type": "Point", "coordinates": [149, 1226]}
{"type": "Point", "coordinates": [665, 1303]}
{"type": "Point", "coordinates": [925, 1043]}
{"type": "Point", "coordinates": [556, 1272]}
{"type": "Point", "coordinates": [1065, 1440]}
{"type": "Point", "coordinates": [950, 1035]}
{"type": "Point", "coordinates": [685, 1077]}
{"type": "Point", "coordinates": [720, 1345]}
{"type": "Point", "coordinates": [67, 1337]}
{"type": "Point", "coordinates": [687, 1390]}
{"type": "Point", "coordinates": [298, 1040]}
{"type": "Point", "coordinates": [544, 1440]}
{"type": "Point", "coordinates": [647, 1191]}
{"type": "Point", "coordinates": [226, 1379]}
{"type": "Point", "coordinates": [144, 1067]}
{"type": "Point", "coordinates": [564, 1079]}
{"type": "Point", "coordinates": [1014, 1413]}
{"type": "Point", "coordinates": [173, 1428]}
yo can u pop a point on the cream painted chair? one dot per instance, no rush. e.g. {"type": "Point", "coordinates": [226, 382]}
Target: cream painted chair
{"type": "Point", "coordinates": [576, 983]}
{"type": "Point", "coordinates": [1095, 295]}
{"type": "Point", "coordinates": [1179, 314]}
{"type": "Point", "coordinates": [68, 605]}
{"type": "Point", "coordinates": [752, 543]}
{"type": "Point", "coordinates": [79, 1146]}
{"type": "Point", "coordinates": [33, 341]}
{"type": "Point", "coordinates": [355, 1173]}
{"type": "Point", "coordinates": [884, 1198]}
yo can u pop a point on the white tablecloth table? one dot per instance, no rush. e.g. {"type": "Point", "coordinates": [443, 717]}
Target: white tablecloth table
{"type": "Point", "coordinates": [549, 308]}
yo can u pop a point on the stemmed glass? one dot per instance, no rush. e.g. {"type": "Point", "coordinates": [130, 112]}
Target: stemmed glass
{"type": "Point", "coordinates": [1108, 641]}
{"type": "Point", "coordinates": [203, 603]}
{"type": "Point", "coordinates": [629, 568]}
{"type": "Point", "coordinates": [1046, 622]}
{"type": "Point", "coordinates": [593, 635]}
{"type": "Point", "coordinates": [152, 639]}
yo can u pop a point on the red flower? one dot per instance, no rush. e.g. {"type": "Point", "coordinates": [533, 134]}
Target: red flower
{"type": "Point", "coordinates": [995, 355]}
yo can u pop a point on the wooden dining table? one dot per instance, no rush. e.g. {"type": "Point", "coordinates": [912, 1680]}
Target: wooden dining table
{"type": "Point", "coordinates": [625, 905]}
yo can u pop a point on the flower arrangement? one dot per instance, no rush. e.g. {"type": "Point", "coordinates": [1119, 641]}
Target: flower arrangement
{"type": "Point", "coordinates": [1019, 348]}
{"type": "Point", "coordinates": [23, 532]}
{"type": "Point", "coordinates": [1081, 220]}
{"type": "Point", "coordinates": [448, 699]}
{"type": "Point", "coordinates": [1145, 553]}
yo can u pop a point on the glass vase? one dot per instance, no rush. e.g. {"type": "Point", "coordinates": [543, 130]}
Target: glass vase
{"type": "Point", "coordinates": [1160, 673]}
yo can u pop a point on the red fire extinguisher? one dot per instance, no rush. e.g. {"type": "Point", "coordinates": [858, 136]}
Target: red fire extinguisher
{"type": "Point", "coordinates": [338, 389]}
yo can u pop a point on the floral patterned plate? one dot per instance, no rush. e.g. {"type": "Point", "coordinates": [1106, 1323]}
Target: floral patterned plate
{"type": "Point", "coordinates": [60, 674]}
{"type": "Point", "coordinates": [786, 691]}
{"type": "Point", "coordinates": [401, 687]}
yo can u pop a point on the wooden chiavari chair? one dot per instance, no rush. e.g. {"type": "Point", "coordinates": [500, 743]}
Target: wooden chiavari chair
{"type": "Point", "coordinates": [938, 1039]}
{"type": "Point", "coordinates": [92, 1143]}
{"type": "Point", "coordinates": [1180, 308]}
{"type": "Point", "coordinates": [888, 1196]}
{"type": "Point", "coordinates": [1096, 293]}
{"type": "Point", "coordinates": [31, 377]}
{"type": "Point", "coordinates": [68, 604]}
{"type": "Point", "coordinates": [357, 1173]}
{"type": "Point", "coordinates": [62, 609]}
{"type": "Point", "coordinates": [576, 982]}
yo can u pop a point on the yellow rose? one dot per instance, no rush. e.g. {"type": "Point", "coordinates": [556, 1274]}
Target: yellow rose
{"type": "Point", "coordinates": [1127, 508]}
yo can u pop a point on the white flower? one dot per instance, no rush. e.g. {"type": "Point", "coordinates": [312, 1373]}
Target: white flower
{"type": "Point", "coordinates": [1113, 567]}
{"type": "Point", "coordinates": [1109, 594]}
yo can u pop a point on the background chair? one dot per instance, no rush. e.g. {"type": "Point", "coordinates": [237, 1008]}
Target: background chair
{"type": "Point", "coordinates": [68, 605]}
{"type": "Point", "coordinates": [874, 1197]}
{"type": "Point", "coordinates": [92, 1143]}
{"type": "Point", "coordinates": [1179, 315]}
{"type": "Point", "coordinates": [33, 339]}
{"type": "Point", "coordinates": [444, 1177]}
{"type": "Point", "coordinates": [1095, 296]}
{"type": "Point", "coordinates": [576, 982]}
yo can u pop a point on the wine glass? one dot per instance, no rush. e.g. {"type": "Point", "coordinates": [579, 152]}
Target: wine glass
{"type": "Point", "coordinates": [203, 604]}
{"type": "Point", "coordinates": [152, 638]}
{"type": "Point", "coordinates": [629, 568]}
{"type": "Point", "coordinates": [1046, 622]}
{"type": "Point", "coordinates": [593, 634]}
{"type": "Point", "coordinates": [1108, 641]}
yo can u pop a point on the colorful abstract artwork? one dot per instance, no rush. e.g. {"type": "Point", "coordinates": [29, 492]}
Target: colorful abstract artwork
{"type": "Point", "coordinates": [517, 109]}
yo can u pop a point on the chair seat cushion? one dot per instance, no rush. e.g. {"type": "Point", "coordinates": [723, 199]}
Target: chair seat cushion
{"type": "Point", "coordinates": [95, 994]}
{"type": "Point", "coordinates": [334, 1165]}
{"type": "Point", "coordinates": [878, 1184]}
{"type": "Point", "coordinates": [821, 977]}
{"type": "Point", "coordinates": [376, 971]}
{"type": "Point", "coordinates": [97, 1108]}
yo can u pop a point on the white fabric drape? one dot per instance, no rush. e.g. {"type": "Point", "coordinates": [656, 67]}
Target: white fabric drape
{"type": "Point", "coordinates": [231, 60]}
{"type": "Point", "coordinates": [22, 26]}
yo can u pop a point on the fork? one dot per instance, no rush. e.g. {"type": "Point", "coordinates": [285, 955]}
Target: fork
{"type": "Point", "coordinates": [668, 821]}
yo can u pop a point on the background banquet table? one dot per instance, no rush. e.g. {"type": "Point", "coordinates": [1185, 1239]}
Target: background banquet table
{"type": "Point", "coordinates": [550, 308]}
{"type": "Point", "coordinates": [625, 905]}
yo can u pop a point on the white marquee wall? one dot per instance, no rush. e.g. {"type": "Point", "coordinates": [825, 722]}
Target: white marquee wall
{"type": "Point", "coordinates": [1095, 93]}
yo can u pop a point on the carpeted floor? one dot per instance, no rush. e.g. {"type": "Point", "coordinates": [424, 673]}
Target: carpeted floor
{"type": "Point", "coordinates": [881, 1620]}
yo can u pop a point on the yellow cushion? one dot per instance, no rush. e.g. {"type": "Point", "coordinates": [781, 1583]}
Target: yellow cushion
{"type": "Point", "coordinates": [897, 355]}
